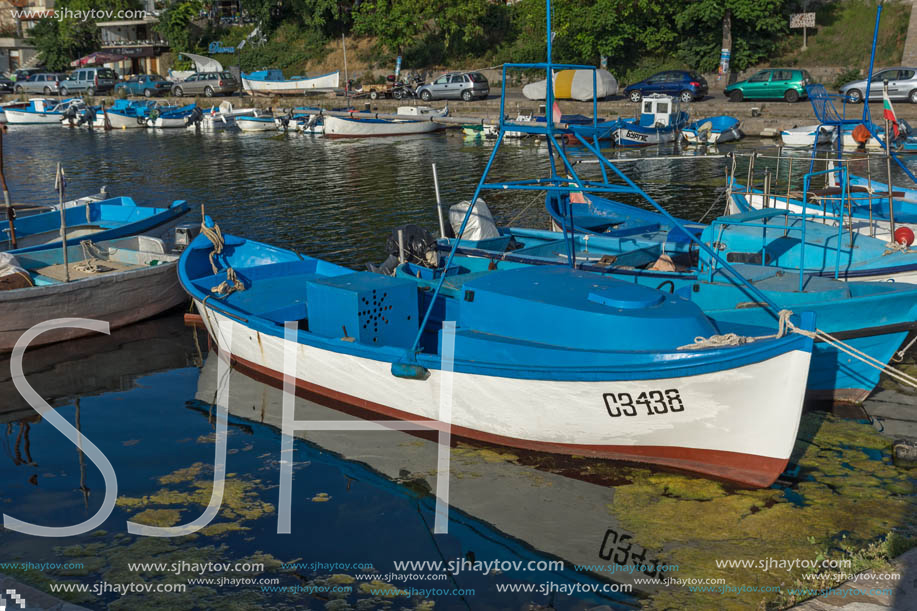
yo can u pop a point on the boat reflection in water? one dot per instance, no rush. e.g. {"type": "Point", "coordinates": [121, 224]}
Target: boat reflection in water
{"type": "Point", "coordinates": [499, 508]}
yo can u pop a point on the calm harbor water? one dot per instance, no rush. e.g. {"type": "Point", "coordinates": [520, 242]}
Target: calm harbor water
{"type": "Point", "coordinates": [145, 396]}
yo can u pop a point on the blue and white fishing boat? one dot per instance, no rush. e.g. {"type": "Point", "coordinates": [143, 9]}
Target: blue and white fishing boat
{"type": "Point", "coordinates": [644, 248]}
{"type": "Point", "coordinates": [271, 82]}
{"type": "Point", "coordinates": [256, 123]}
{"type": "Point", "coordinates": [547, 358]}
{"type": "Point", "coordinates": [660, 121]}
{"type": "Point", "coordinates": [807, 136]}
{"type": "Point", "coordinates": [118, 281]}
{"type": "Point", "coordinates": [173, 116]}
{"type": "Point", "coordinates": [125, 114]}
{"type": "Point", "coordinates": [713, 130]}
{"type": "Point", "coordinates": [107, 219]}
{"type": "Point", "coordinates": [42, 111]}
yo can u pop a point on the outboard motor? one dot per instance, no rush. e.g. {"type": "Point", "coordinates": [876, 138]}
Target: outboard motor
{"type": "Point", "coordinates": [419, 249]}
{"type": "Point", "coordinates": [284, 121]}
{"type": "Point", "coordinates": [87, 116]}
{"type": "Point", "coordinates": [195, 117]}
{"type": "Point", "coordinates": [183, 235]}
{"type": "Point", "coordinates": [70, 116]}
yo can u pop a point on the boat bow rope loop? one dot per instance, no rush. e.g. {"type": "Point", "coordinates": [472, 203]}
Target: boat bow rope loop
{"type": "Point", "coordinates": [232, 283]}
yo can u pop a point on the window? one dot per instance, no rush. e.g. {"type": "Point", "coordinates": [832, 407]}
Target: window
{"type": "Point", "coordinates": [662, 107]}
{"type": "Point", "coordinates": [761, 77]}
{"type": "Point", "coordinates": [477, 77]}
{"type": "Point", "coordinates": [442, 80]}
{"type": "Point", "coordinates": [905, 75]}
{"type": "Point", "coordinates": [648, 107]}
{"type": "Point", "coordinates": [106, 73]}
{"type": "Point", "coordinates": [458, 78]}
{"type": "Point", "coordinates": [227, 75]}
{"type": "Point", "coordinates": [885, 74]}
{"type": "Point", "coordinates": [783, 75]}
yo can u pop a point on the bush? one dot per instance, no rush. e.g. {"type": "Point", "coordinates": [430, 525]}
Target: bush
{"type": "Point", "coordinates": [845, 76]}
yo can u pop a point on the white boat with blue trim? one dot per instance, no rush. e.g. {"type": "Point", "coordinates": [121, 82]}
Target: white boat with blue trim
{"type": "Point", "coordinates": [417, 120]}
{"type": "Point", "coordinates": [271, 82]}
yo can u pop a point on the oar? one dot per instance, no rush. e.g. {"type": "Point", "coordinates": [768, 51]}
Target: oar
{"type": "Point", "coordinates": [10, 213]}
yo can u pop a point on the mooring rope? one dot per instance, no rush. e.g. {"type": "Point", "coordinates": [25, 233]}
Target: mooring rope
{"type": "Point", "coordinates": [899, 356]}
{"type": "Point", "coordinates": [232, 283]}
{"type": "Point", "coordinates": [785, 325]}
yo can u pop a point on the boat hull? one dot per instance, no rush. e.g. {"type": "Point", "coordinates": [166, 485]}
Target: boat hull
{"type": "Point", "coordinates": [633, 135]}
{"type": "Point", "coordinates": [804, 137]}
{"type": "Point", "coordinates": [336, 127]}
{"type": "Point", "coordinates": [22, 117]}
{"type": "Point", "coordinates": [167, 122]}
{"type": "Point", "coordinates": [118, 298]}
{"type": "Point", "coordinates": [291, 86]}
{"type": "Point", "coordinates": [756, 421]}
{"type": "Point", "coordinates": [249, 124]}
{"type": "Point", "coordinates": [119, 121]}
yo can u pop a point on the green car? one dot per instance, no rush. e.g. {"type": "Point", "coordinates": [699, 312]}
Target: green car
{"type": "Point", "coordinates": [771, 84]}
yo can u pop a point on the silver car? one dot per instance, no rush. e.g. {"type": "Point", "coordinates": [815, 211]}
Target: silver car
{"type": "Point", "coordinates": [207, 83]}
{"type": "Point", "coordinates": [902, 85]}
{"type": "Point", "coordinates": [43, 82]}
{"type": "Point", "coordinates": [455, 85]}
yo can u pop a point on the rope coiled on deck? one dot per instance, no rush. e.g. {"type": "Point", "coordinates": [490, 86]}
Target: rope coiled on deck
{"type": "Point", "coordinates": [232, 282]}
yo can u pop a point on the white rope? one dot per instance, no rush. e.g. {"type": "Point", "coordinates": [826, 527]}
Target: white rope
{"type": "Point", "coordinates": [892, 247]}
{"type": "Point", "coordinates": [899, 356]}
{"type": "Point", "coordinates": [733, 339]}
{"type": "Point", "coordinates": [228, 286]}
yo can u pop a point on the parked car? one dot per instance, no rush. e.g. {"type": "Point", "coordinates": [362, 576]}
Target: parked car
{"type": "Point", "coordinates": [902, 85]}
{"type": "Point", "coordinates": [685, 84]}
{"type": "Point", "coordinates": [207, 83]}
{"type": "Point", "coordinates": [6, 85]}
{"type": "Point", "coordinates": [24, 73]}
{"type": "Point", "coordinates": [773, 83]}
{"type": "Point", "coordinates": [89, 80]}
{"type": "Point", "coordinates": [144, 84]}
{"type": "Point", "coordinates": [43, 82]}
{"type": "Point", "coordinates": [455, 85]}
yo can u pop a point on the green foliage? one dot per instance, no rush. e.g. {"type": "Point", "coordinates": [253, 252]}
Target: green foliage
{"type": "Point", "coordinates": [845, 76]}
{"type": "Point", "coordinates": [288, 49]}
{"type": "Point", "coordinates": [757, 26]}
{"type": "Point", "coordinates": [175, 24]}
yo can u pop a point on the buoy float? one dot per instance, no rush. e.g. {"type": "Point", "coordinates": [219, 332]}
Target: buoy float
{"type": "Point", "coordinates": [904, 235]}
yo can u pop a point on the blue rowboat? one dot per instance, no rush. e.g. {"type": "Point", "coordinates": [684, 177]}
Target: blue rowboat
{"type": "Point", "coordinates": [545, 357]}
{"type": "Point", "coordinates": [173, 116]}
{"type": "Point", "coordinates": [125, 114]}
{"type": "Point", "coordinates": [256, 124]}
{"type": "Point", "coordinates": [107, 219]}
{"type": "Point", "coordinates": [713, 130]}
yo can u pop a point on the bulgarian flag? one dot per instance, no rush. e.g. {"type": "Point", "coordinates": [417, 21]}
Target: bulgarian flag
{"type": "Point", "coordinates": [888, 112]}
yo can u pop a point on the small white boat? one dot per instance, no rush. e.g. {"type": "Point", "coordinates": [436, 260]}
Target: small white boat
{"type": "Point", "coordinates": [13, 105]}
{"type": "Point", "coordinates": [174, 117]}
{"type": "Point", "coordinates": [260, 123]}
{"type": "Point", "coordinates": [271, 82]}
{"type": "Point", "coordinates": [417, 120]}
{"type": "Point", "coordinates": [41, 111]}
{"type": "Point", "coordinates": [313, 124]}
{"type": "Point", "coordinates": [805, 136]}
{"type": "Point", "coordinates": [221, 117]}
{"type": "Point", "coordinates": [714, 130]}
{"type": "Point", "coordinates": [118, 281]}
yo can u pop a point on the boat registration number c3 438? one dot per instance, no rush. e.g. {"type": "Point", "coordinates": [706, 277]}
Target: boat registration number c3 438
{"type": "Point", "coordinates": [654, 402]}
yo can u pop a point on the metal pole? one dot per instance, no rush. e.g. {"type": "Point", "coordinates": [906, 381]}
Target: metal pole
{"type": "Point", "coordinates": [767, 188]}
{"type": "Point", "coordinates": [346, 79]}
{"type": "Point", "coordinates": [63, 219]}
{"type": "Point", "coordinates": [10, 213]}
{"type": "Point", "coordinates": [872, 60]}
{"type": "Point", "coordinates": [401, 246]}
{"type": "Point", "coordinates": [888, 170]}
{"type": "Point", "coordinates": [439, 205]}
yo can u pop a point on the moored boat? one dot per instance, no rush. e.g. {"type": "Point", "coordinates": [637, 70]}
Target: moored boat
{"type": "Point", "coordinates": [713, 130]}
{"type": "Point", "coordinates": [117, 281]}
{"type": "Point", "coordinates": [41, 111]}
{"type": "Point", "coordinates": [545, 358]}
{"type": "Point", "coordinates": [260, 123]}
{"type": "Point", "coordinates": [807, 136]}
{"type": "Point", "coordinates": [417, 120]}
{"type": "Point", "coordinates": [173, 116]}
{"type": "Point", "coordinates": [660, 121]}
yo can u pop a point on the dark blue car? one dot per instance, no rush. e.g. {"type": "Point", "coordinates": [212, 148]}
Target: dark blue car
{"type": "Point", "coordinates": [685, 84]}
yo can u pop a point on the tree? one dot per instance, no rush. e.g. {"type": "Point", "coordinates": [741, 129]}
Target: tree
{"type": "Point", "coordinates": [175, 24]}
{"type": "Point", "coordinates": [396, 23]}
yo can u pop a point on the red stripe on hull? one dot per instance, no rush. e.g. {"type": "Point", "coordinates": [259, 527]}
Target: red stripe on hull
{"type": "Point", "coordinates": [745, 469]}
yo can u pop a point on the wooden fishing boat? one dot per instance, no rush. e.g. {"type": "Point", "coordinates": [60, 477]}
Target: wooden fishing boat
{"type": "Point", "coordinates": [106, 219]}
{"type": "Point", "coordinates": [807, 136]}
{"type": "Point", "coordinates": [660, 121]}
{"type": "Point", "coordinates": [252, 123]}
{"type": "Point", "coordinates": [271, 82]}
{"type": "Point", "coordinates": [417, 120]}
{"type": "Point", "coordinates": [528, 342]}
{"type": "Point", "coordinates": [13, 105]}
{"type": "Point", "coordinates": [41, 111]}
{"type": "Point", "coordinates": [173, 116]}
{"type": "Point", "coordinates": [125, 114]}
{"type": "Point", "coordinates": [117, 281]}
{"type": "Point", "coordinates": [713, 130]}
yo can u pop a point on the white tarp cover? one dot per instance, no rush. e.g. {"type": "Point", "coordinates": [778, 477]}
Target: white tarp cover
{"type": "Point", "coordinates": [9, 265]}
{"type": "Point", "coordinates": [480, 225]}
{"type": "Point", "coordinates": [574, 85]}
{"type": "Point", "coordinates": [204, 64]}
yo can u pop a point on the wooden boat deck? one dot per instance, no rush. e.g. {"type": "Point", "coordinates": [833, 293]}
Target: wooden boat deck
{"type": "Point", "coordinates": [78, 271]}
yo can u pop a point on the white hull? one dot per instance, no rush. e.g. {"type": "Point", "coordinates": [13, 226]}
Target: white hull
{"type": "Point", "coordinates": [346, 128]}
{"type": "Point", "coordinates": [117, 121]}
{"type": "Point", "coordinates": [19, 117]}
{"type": "Point", "coordinates": [247, 125]}
{"type": "Point", "coordinates": [727, 413]}
{"type": "Point", "coordinates": [290, 87]}
{"type": "Point", "coordinates": [728, 135]}
{"type": "Point", "coordinates": [625, 136]}
{"type": "Point", "coordinates": [120, 298]}
{"type": "Point", "coordinates": [849, 142]}
{"type": "Point", "coordinates": [167, 123]}
{"type": "Point", "coordinates": [803, 137]}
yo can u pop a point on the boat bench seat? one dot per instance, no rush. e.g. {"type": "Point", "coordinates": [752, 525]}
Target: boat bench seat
{"type": "Point", "coordinates": [634, 229]}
